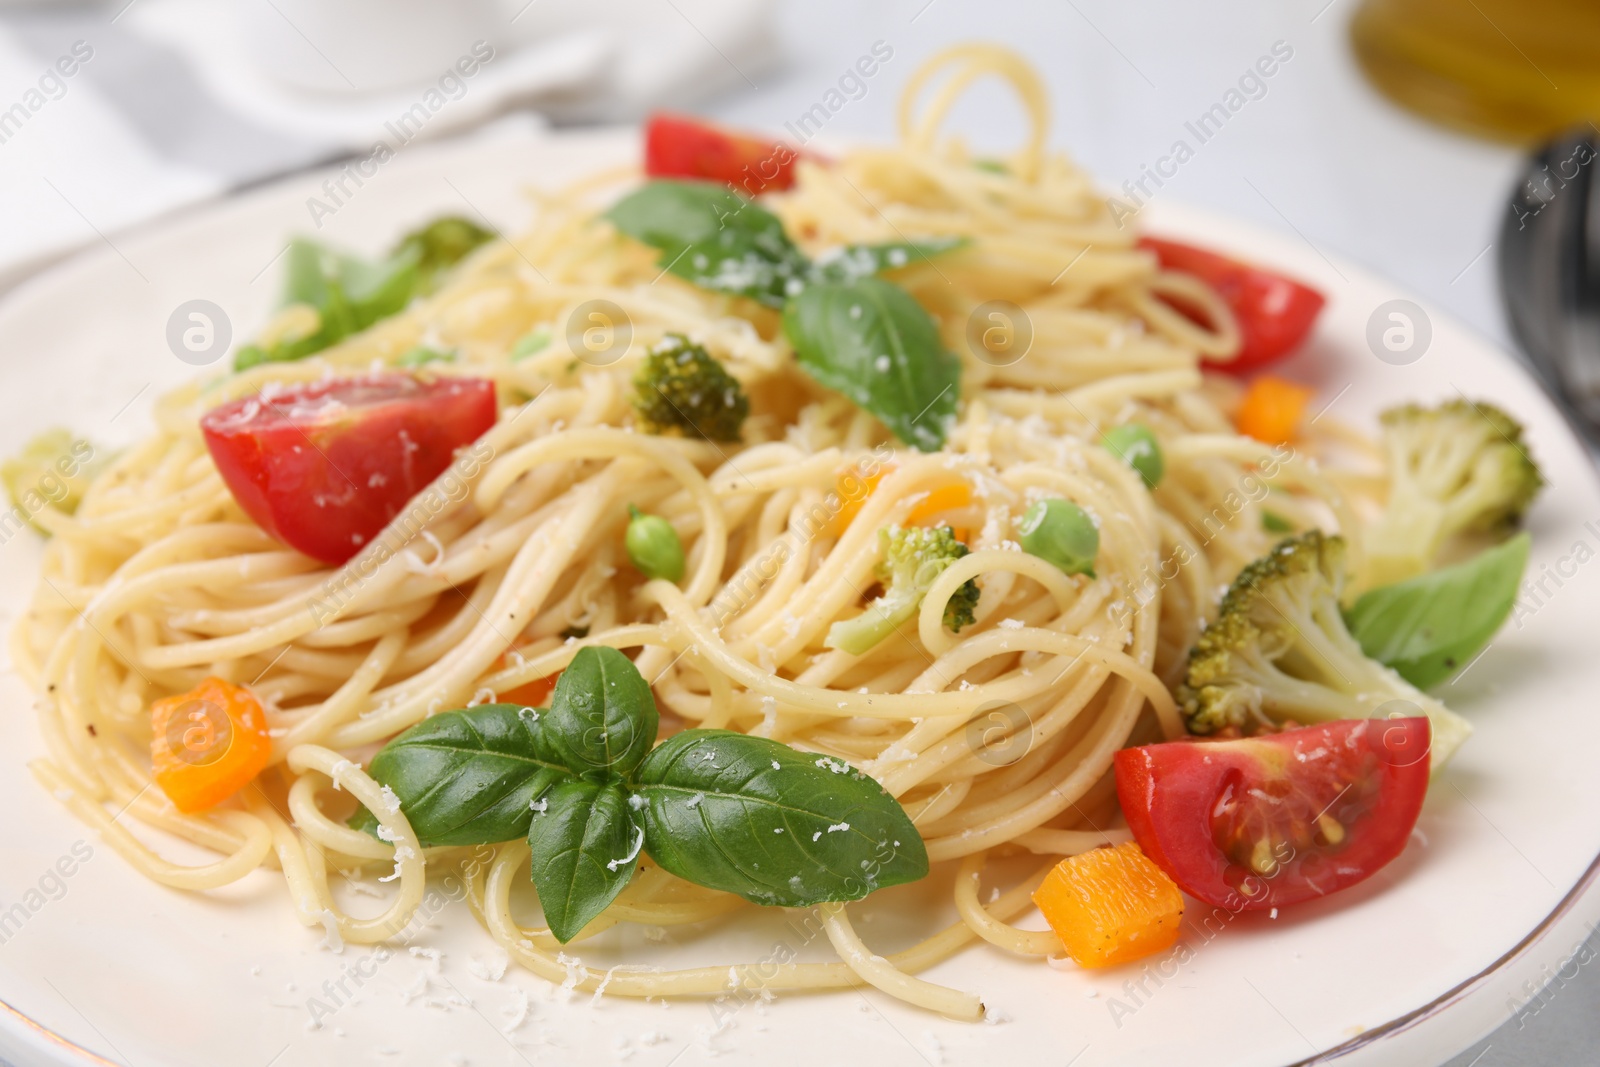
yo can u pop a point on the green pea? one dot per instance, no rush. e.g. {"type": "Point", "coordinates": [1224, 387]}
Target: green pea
{"type": "Point", "coordinates": [533, 343]}
{"type": "Point", "coordinates": [1139, 449]}
{"type": "Point", "coordinates": [422, 354]}
{"type": "Point", "coordinates": [1060, 532]}
{"type": "Point", "coordinates": [653, 546]}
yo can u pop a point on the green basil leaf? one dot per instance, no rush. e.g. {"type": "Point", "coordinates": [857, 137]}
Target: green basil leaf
{"type": "Point", "coordinates": [681, 213]}
{"type": "Point", "coordinates": [777, 826]}
{"type": "Point", "coordinates": [713, 237]}
{"type": "Point", "coordinates": [871, 341]}
{"type": "Point", "coordinates": [1430, 626]}
{"type": "Point", "coordinates": [378, 289]}
{"type": "Point", "coordinates": [467, 777]}
{"type": "Point", "coordinates": [862, 261]}
{"type": "Point", "coordinates": [585, 843]}
{"type": "Point", "coordinates": [310, 278]}
{"type": "Point", "coordinates": [348, 293]}
{"type": "Point", "coordinates": [602, 716]}
{"type": "Point", "coordinates": [306, 278]}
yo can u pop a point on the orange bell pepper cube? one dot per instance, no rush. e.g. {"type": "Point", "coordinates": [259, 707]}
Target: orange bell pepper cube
{"type": "Point", "coordinates": [534, 694]}
{"type": "Point", "coordinates": [1111, 905]}
{"type": "Point", "coordinates": [1272, 409]}
{"type": "Point", "coordinates": [208, 743]}
{"type": "Point", "coordinates": [531, 694]}
{"type": "Point", "coordinates": [855, 488]}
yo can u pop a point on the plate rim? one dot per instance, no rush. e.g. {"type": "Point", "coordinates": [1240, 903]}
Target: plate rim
{"type": "Point", "coordinates": [1417, 1016]}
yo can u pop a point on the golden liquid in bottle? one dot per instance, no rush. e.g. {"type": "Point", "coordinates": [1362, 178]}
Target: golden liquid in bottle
{"type": "Point", "coordinates": [1517, 70]}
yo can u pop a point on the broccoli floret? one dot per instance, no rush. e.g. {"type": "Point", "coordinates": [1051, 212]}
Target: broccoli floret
{"type": "Point", "coordinates": [439, 245]}
{"type": "Point", "coordinates": [912, 560]}
{"type": "Point", "coordinates": [681, 389]}
{"type": "Point", "coordinates": [1457, 468]}
{"type": "Point", "coordinates": [54, 468]}
{"type": "Point", "coordinates": [1279, 651]}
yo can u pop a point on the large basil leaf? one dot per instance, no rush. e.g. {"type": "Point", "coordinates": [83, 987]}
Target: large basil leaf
{"type": "Point", "coordinates": [585, 846]}
{"type": "Point", "coordinates": [862, 261]}
{"type": "Point", "coordinates": [602, 716]}
{"type": "Point", "coordinates": [713, 237]}
{"type": "Point", "coordinates": [871, 341]}
{"type": "Point", "coordinates": [468, 777]}
{"type": "Point", "coordinates": [1430, 626]}
{"type": "Point", "coordinates": [777, 826]}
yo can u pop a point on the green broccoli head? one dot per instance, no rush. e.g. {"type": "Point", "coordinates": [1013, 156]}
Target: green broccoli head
{"type": "Point", "coordinates": [439, 245]}
{"type": "Point", "coordinates": [680, 389]}
{"type": "Point", "coordinates": [1457, 468]}
{"type": "Point", "coordinates": [1279, 652]}
{"type": "Point", "coordinates": [913, 559]}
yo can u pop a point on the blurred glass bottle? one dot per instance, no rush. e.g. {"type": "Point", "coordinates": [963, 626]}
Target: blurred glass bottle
{"type": "Point", "coordinates": [1512, 69]}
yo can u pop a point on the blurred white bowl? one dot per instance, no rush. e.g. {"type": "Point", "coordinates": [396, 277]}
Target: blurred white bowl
{"type": "Point", "coordinates": [365, 46]}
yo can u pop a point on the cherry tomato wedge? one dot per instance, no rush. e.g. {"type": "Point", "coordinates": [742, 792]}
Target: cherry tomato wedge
{"type": "Point", "coordinates": [1272, 820]}
{"type": "Point", "coordinates": [1275, 312]}
{"type": "Point", "coordinates": [676, 146]}
{"type": "Point", "coordinates": [323, 466]}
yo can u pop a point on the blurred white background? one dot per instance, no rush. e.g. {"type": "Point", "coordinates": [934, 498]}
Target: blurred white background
{"type": "Point", "coordinates": [174, 105]}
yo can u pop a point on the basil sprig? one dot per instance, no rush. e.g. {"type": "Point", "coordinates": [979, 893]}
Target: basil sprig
{"type": "Point", "coordinates": [745, 815]}
{"type": "Point", "coordinates": [852, 331]}
{"type": "Point", "coordinates": [349, 293]}
{"type": "Point", "coordinates": [1431, 626]}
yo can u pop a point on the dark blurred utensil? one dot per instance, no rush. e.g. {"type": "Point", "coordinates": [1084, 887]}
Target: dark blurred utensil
{"type": "Point", "coordinates": [1550, 271]}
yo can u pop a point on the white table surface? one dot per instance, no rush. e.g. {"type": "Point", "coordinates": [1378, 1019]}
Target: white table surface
{"type": "Point", "coordinates": [1320, 154]}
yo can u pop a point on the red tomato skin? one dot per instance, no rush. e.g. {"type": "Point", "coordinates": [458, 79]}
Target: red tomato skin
{"type": "Point", "coordinates": [1169, 791]}
{"type": "Point", "coordinates": [677, 146]}
{"type": "Point", "coordinates": [1275, 312]}
{"type": "Point", "coordinates": [324, 466]}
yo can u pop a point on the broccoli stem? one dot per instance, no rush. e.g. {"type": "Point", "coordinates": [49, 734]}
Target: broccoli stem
{"type": "Point", "coordinates": [1404, 540]}
{"type": "Point", "coordinates": [858, 635]}
{"type": "Point", "coordinates": [1361, 688]}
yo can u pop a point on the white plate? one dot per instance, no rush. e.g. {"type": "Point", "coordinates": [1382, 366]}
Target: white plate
{"type": "Point", "coordinates": [1407, 968]}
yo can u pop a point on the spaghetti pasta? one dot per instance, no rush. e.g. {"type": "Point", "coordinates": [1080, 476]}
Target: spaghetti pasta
{"type": "Point", "coordinates": [159, 579]}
